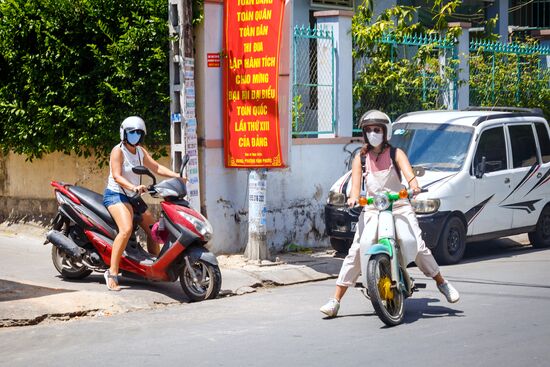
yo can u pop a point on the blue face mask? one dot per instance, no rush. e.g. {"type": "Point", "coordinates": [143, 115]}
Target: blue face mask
{"type": "Point", "coordinates": [133, 137]}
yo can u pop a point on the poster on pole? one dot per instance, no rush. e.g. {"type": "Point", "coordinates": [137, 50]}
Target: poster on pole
{"type": "Point", "coordinates": [193, 184]}
{"type": "Point", "coordinates": [252, 38]}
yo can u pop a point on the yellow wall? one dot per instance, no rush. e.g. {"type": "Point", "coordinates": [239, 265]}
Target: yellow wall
{"type": "Point", "coordinates": [25, 185]}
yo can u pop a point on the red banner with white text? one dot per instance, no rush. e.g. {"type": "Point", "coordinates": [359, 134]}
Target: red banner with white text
{"type": "Point", "coordinates": [252, 37]}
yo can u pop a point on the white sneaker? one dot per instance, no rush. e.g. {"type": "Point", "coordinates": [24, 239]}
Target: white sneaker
{"type": "Point", "coordinates": [449, 291]}
{"type": "Point", "coordinates": [331, 308]}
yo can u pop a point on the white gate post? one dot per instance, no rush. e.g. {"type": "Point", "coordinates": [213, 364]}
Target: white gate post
{"type": "Point", "coordinates": [339, 21]}
{"type": "Point", "coordinates": [463, 54]}
{"type": "Point", "coordinates": [543, 35]}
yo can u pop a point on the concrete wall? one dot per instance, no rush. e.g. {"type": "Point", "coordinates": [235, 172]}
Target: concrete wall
{"type": "Point", "coordinates": [295, 197]}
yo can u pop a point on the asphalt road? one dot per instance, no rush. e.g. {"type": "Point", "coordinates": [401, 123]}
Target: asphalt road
{"type": "Point", "coordinates": [502, 319]}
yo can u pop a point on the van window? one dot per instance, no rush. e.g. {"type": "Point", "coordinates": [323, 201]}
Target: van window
{"type": "Point", "coordinates": [436, 147]}
{"type": "Point", "coordinates": [544, 142]}
{"type": "Point", "coordinates": [524, 148]}
{"type": "Point", "coordinates": [492, 146]}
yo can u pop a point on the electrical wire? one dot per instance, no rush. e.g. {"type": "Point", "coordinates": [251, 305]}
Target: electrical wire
{"type": "Point", "coordinates": [517, 7]}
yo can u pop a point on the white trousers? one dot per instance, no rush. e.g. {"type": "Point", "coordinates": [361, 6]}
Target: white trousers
{"type": "Point", "coordinates": [366, 234]}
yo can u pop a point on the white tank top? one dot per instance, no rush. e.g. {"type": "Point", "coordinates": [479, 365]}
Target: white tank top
{"type": "Point", "coordinates": [130, 160]}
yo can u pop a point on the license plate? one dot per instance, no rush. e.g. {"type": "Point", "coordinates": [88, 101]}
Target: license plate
{"type": "Point", "coordinates": [353, 226]}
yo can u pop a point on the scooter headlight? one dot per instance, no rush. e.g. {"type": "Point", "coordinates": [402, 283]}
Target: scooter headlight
{"type": "Point", "coordinates": [202, 226]}
{"type": "Point", "coordinates": [381, 201]}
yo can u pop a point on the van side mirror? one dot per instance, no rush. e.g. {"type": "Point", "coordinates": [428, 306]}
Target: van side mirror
{"type": "Point", "coordinates": [419, 171]}
{"type": "Point", "coordinates": [481, 167]}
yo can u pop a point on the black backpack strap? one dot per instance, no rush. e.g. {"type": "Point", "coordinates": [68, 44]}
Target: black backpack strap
{"type": "Point", "coordinates": [393, 151]}
{"type": "Point", "coordinates": [363, 161]}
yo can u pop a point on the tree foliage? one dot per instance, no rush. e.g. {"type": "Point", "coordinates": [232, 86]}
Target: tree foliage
{"type": "Point", "coordinates": [72, 70]}
{"type": "Point", "coordinates": [503, 79]}
{"type": "Point", "coordinates": [397, 78]}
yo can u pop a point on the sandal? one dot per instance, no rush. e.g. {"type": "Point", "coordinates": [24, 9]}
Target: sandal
{"type": "Point", "coordinates": [107, 275]}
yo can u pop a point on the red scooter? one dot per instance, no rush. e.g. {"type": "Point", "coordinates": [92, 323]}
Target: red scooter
{"type": "Point", "coordinates": [83, 232]}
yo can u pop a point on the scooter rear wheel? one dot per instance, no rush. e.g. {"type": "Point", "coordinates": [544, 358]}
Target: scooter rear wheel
{"type": "Point", "coordinates": [67, 267]}
{"type": "Point", "coordinates": [387, 302]}
{"type": "Point", "coordinates": [205, 285]}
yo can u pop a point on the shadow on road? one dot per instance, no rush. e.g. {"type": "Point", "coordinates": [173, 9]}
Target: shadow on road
{"type": "Point", "coordinates": [415, 309]}
{"type": "Point", "coordinates": [131, 285]}
{"type": "Point", "coordinates": [422, 308]}
{"type": "Point", "coordinates": [11, 291]}
{"type": "Point", "coordinates": [496, 249]}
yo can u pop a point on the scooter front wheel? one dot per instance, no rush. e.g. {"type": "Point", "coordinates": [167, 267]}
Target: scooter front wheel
{"type": "Point", "coordinates": [388, 302]}
{"type": "Point", "coordinates": [201, 281]}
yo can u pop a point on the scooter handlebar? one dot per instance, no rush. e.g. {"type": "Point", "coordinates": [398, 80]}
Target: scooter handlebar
{"type": "Point", "coordinates": [393, 196]}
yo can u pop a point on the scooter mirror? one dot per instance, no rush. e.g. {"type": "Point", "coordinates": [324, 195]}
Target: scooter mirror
{"type": "Point", "coordinates": [184, 163]}
{"type": "Point", "coordinates": [141, 170]}
{"type": "Point", "coordinates": [419, 171]}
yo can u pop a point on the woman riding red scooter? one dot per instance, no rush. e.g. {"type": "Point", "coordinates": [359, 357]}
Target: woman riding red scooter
{"type": "Point", "coordinates": [88, 237]}
{"type": "Point", "coordinates": [122, 195]}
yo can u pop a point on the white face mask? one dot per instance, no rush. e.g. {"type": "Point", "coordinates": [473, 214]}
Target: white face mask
{"type": "Point", "coordinates": [375, 139]}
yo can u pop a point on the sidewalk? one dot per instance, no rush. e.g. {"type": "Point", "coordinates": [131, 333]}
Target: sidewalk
{"type": "Point", "coordinates": [31, 295]}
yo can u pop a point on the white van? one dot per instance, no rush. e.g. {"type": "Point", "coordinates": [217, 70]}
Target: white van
{"type": "Point", "coordinates": [487, 175]}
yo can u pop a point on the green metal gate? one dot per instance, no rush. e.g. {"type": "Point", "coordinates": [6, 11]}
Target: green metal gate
{"type": "Point", "coordinates": [313, 99]}
{"type": "Point", "coordinates": [508, 74]}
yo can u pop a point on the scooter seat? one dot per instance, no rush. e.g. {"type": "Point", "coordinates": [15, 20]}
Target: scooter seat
{"type": "Point", "coordinates": [94, 201]}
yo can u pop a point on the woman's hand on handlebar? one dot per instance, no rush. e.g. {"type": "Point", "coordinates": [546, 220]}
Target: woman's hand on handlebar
{"type": "Point", "coordinates": [140, 189]}
{"type": "Point", "coordinates": [417, 190]}
{"type": "Point", "coordinates": [352, 202]}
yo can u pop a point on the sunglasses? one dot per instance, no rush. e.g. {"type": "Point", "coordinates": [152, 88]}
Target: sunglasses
{"type": "Point", "coordinates": [135, 132]}
{"type": "Point", "coordinates": [375, 129]}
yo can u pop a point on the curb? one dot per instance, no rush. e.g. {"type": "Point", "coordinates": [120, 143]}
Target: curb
{"type": "Point", "coordinates": [25, 303]}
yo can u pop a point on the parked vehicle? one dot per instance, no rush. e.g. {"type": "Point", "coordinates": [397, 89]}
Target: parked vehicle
{"type": "Point", "coordinates": [388, 282]}
{"type": "Point", "coordinates": [487, 175]}
{"type": "Point", "coordinates": [83, 233]}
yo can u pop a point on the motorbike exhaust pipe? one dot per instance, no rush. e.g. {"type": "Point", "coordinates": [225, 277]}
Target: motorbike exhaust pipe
{"type": "Point", "coordinates": [64, 243]}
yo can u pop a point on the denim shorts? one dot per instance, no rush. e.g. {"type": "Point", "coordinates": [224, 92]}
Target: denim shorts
{"type": "Point", "coordinates": [111, 198]}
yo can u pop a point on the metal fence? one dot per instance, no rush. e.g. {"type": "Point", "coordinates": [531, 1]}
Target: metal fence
{"type": "Point", "coordinates": [413, 72]}
{"type": "Point", "coordinates": [424, 70]}
{"type": "Point", "coordinates": [313, 99]}
{"type": "Point", "coordinates": [508, 74]}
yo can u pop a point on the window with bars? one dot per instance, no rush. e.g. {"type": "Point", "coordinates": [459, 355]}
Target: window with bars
{"type": "Point", "coordinates": [348, 4]}
{"type": "Point", "coordinates": [534, 13]}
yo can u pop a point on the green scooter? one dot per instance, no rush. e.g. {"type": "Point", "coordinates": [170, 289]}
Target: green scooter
{"type": "Point", "coordinates": [388, 282]}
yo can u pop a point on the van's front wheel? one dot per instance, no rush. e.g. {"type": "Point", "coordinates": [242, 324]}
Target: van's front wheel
{"type": "Point", "coordinates": [452, 242]}
{"type": "Point", "coordinates": [341, 246]}
{"type": "Point", "coordinates": [541, 236]}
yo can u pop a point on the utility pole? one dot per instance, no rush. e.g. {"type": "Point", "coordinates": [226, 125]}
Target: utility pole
{"type": "Point", "coordinates": [183, 129]}
{"type": "Point", "coordinates": [256, 248]}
